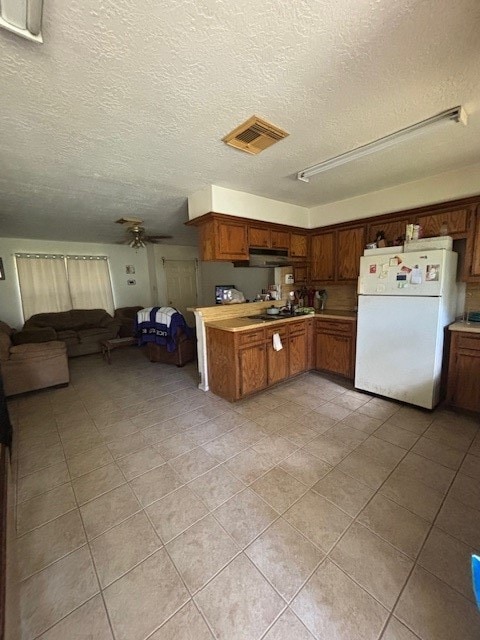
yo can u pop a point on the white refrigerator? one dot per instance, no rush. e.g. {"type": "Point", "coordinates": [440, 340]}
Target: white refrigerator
{"type": "Point", "coordinates": [405, 301]}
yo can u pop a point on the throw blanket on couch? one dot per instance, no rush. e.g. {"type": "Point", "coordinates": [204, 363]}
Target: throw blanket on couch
{"type": "Point", "coordinates": [160, 325]}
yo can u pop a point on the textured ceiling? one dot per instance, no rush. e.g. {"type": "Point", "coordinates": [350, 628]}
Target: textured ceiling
{"type": "Point", "coordinates": [122, 110]}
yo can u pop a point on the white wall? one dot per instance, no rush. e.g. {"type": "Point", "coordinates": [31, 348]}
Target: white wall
{"type": "Point", "coordinates": [169, 252]}
{"type": "Point", "coordinates": [119, 257]}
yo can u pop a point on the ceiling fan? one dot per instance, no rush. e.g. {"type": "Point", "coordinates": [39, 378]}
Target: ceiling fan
{"type": "Point", "coordinates": [136, 236]}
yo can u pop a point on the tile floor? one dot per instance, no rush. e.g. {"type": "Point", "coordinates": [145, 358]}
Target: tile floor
{"type": "Point", "coordinates": [149, 509]}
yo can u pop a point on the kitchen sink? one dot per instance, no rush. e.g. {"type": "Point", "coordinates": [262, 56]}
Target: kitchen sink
{"type": "Point", "coordinates": [268, 317]}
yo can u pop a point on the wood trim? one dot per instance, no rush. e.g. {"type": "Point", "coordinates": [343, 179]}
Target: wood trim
{"type": "Point", "coordinates": [212, 215]}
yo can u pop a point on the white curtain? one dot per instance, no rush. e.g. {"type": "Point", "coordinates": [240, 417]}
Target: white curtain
{"type": "Point", "coordinates": [43, 284]}
{"type": "Point", "coordinates": [89, 282]}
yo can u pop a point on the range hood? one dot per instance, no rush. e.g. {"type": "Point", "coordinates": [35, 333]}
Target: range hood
{"type": "Point", "coordinates": [265, 258]}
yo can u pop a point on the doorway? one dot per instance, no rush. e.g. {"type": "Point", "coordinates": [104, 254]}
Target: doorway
{"type": "Point", "coordinates": [181, 286]}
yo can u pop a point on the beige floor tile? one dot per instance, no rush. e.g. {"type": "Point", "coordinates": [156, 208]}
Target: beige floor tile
{"type": "Point", "coordinates": [292, 409]}
{"type": "Point", "coordinates": [466, 490]}
{"type": "Point", "coordinates": [321, 521]}
{"type": "Point", "coordinates": [430, 473]}
{"type": "Point", "coordinates": [88, 621]}
{"type": "Point", "coordinates": [275, 448]}
{"type": "Point", "coordinates": [318, 421]}
{"type": "Point", "coordinates": [160, 431]}
{"type": "Point", "coordinates": [93, 484]}
{"type": "Point", "coordinates": [79, 445]}
{"type": "Point", "coordinates": [40, 459]}
{"type": "Point", "coordinates": [139, 462]}
{"type": "Point", "coordinates": [108, 510]}
{"type": "Point", "coordinates": [279, 489]}
{"type": "Point", "coordinates": [287, 627]}
{"type": "Point", "coordinates": [460, 521]}
{"type": "Point", "coordinates": [471, 466]}
{"type": "Point", "coordinates": [349, 401]}
{"type": "Point", "coordinates": [371, 472]}
{"type": "Point", "coordinates": [176, 512]}
{"type": "Point", "coordinates": [245, 516]}
{"type": "Point", "coordinates": [305, 467]}
{"type": "Point", "coordinates": [202, 433]}
{"type": "Point", "coordinates": [175, 446]}
{"type": "Point", "coordinates": [122, 547]}
{"type": "Point", "coordinates": [248, 465]}
{"type": "Point", "coordinates": [413, 495]}
{"type": "Point", "coordinates": [187, 624]}
{"type": "Point", "coordinates": [127, 445]}
{"type": "Point", "coordinates": [40, 547]}
{"type": "Point", "coordinates": [385, 577]}
{"type": "Point", "coordinates": [89, 461]}
{"type": "Point", "coordinates": [192, 464]}
{"type": "Point", "coordinates": [434, 611]}
{"type": "Point", "coordinates": [447, 456]}
{"type": "Point", "coordinates": [42, 481]}
{"type": "Point", "coordinates": [448, 435]}
{"type": "Point", "coordinates": [380, 409]}
{"type": "Point", "coordinates": [298, 434]}
{"type": "Point", "coordinates": [140, 601]}
{"type": "Point", "coordinates": [347, 434]}
{"type": "Point", "coordinates": [362, 422]}
{"type": "Point", "coordinates": [333, 411]}
{"type": "Point", "coordinates": [41, 509]}
{"type": "Point", "coordinates": [216, 486]}
{"type": "Point", "coordinates": [284, 557]}
{"type": "Point", "coordinates": [239, 603]}
{"type": "Point", "coordinates": [201, 551]}
{"type": "Point", "coordinates": [329, 450]}
{"type": "Point", "coordinates": [395, 630]}
{"type": "Point", "coordinates": [414, 420]}
{"type": "Point", "coordinates": [344, 491]}
{"type": "Point", "coordinates": [450, 560]}
{"type": "Point", "coordinates": [155, 484]}
{"type": "Point", "coordinates": [48, 596]}
{"type": "Point", "coordinates": [380, 450]}
{"type": "Point", "coordinates": [396, 435]}
{"type": "Point", "coordinates": [333, 606]}
{"type": "Point", "coordinates": [396, 525]}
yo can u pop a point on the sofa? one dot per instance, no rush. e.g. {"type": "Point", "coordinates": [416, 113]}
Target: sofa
{"type": "Point", "coordinates": [82, 330]}
{"type": "Point", "coordinates": [31, 366]}
{"type": "Point", "coordinates": [127, 317]}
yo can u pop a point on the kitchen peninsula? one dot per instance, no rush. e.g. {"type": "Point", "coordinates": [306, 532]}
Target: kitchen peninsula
{"type": "Point", "coordinates": [236, 354]}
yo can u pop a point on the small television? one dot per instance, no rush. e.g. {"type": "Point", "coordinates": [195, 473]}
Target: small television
{"type": "Point", "coordinates": [219, 289]}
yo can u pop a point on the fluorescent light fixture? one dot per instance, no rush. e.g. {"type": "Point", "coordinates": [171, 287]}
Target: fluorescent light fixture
{"type": "Point", "coordinates": [457, 114]}
{"type": "Point", "coordinates": [22, 17]}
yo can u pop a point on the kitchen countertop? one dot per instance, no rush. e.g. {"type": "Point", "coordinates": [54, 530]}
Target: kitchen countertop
{"type": "Point", "coordinates": [244, 323]}
{"type": "Point", "coordinates": [472, 327]}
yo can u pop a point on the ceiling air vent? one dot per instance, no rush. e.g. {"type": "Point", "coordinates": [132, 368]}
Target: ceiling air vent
{"type": "Point", "coordinates": [22, 17]}
{"type": "Point", "coordinates": [254, 135]}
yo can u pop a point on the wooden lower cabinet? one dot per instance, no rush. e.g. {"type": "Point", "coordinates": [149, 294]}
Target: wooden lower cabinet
{"type": "Point", "coordinates": [463, 388]}
{"type": "Point", "coordinates": [252, 364]}
{"type": "Point", "coordinates": [297, 348]}
{"type": "Point", "coordinates": [277, 361]}
{"type": "Point", "coordinates": [335, 347]}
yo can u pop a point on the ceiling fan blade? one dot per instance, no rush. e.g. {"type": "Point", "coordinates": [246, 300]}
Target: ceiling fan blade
{"type": "Point", "coordinates": [153, 238]}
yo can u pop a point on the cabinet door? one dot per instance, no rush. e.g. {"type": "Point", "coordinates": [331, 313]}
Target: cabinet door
{"type": "Point", "coordinates": [277, 361]}
{"type": "Point", "coordinates": [259, 237]}
{"type": "Point", "coordinates": [350, 246]}
{"type": "Point", "coordinates": [231, 238]}
{"type": "Point", "coordinates": [280, 239]}
{"type": "Point", "coordinates": [298, 245]}
{"type": "Point", "coordinates": [463, 390]}
{"type": "Point", "coordinates": [322, 257]}
{"type": "Point", "coordinates": [472, 258]}
{"type": "Point", "coordinates": [333, 353]}
{"type": "Point", "coordinates": [298, 352]}
{"type": "Point", "coordinates": [392, 229]}
{"type": "Point", "coordinates": [300, 273]}
{"type": "Point", "coordinates": [253, 368]}
{"type": "Point", "coordinates": [456, 222]}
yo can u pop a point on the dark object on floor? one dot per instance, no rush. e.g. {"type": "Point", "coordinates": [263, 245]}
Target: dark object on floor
{"type": "Point", "coordinates": [5, 424]}
{"type": "Point", "coordinates": [186, 351]}
{"type": "Point", "coordinates": [115, 343]}
{"type": "Point", "coordinates": [127, 317]}
{"type": "Point", "coordinates": [30, 366]}
{"type": "Point", "coordinates": [82, 330]}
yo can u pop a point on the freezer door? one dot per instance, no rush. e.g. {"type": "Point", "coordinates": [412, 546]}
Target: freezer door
{"type": "Point", "coordinates": [399, 348]}
{"type": "Point", "coordinates": [421, 273]}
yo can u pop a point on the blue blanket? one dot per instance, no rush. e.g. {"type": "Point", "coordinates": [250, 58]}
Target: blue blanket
{"type": "Point", "coordinates": [159, 333]}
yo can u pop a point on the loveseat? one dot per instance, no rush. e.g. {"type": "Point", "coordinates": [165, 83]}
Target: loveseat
{"type": "Point", "coordinates": [127, 317]}
{"type": "Point", "coordinates": [82, 330]}
{"type": "Point", "coordinates": [30, 366]}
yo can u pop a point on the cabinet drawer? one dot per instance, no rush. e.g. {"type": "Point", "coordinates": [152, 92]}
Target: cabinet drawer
{"type": "Point", "coordinates": [250, 337]}
{"type": "Point", "coordinates": [468, 342]}
{"type": "Point", "coordinates": [281, 330]}
{"type": "Point", "coordinates": [332, 326]}
{"type": "Point", "coordinates": [297, 328]}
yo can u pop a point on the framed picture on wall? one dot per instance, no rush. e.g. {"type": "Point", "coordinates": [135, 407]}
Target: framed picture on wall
{"type": "Point", "coordinates": [2, 272]}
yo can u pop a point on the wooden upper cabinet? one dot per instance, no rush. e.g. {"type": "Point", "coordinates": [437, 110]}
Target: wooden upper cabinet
{"type": "Point", "coordinates": [322, 257]}
{"type": "Point", "coordinates": [259, 237]}
{"type": "Point", "coordinates": [472, 258]}
{"type": "Point", "coordinates": [231, 240]}
{"type": "Point", "coordinates": [457, 222]}
{"type": "Point", "coordinates": [298, 245]}
{"type": "Point", "coordinates": [350, 246]}
{"type": "Point", "coordinates": [280, 239]}
{"type": "Point", "coordinates": [392, 229]}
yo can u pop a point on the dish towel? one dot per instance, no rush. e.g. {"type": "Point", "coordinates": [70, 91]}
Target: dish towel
{"type": "Point", "coordinates": [277, 343]}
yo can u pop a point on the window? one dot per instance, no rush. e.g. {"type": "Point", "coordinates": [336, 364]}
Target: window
{"type": "Point", "coordinates": [51, 283]}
